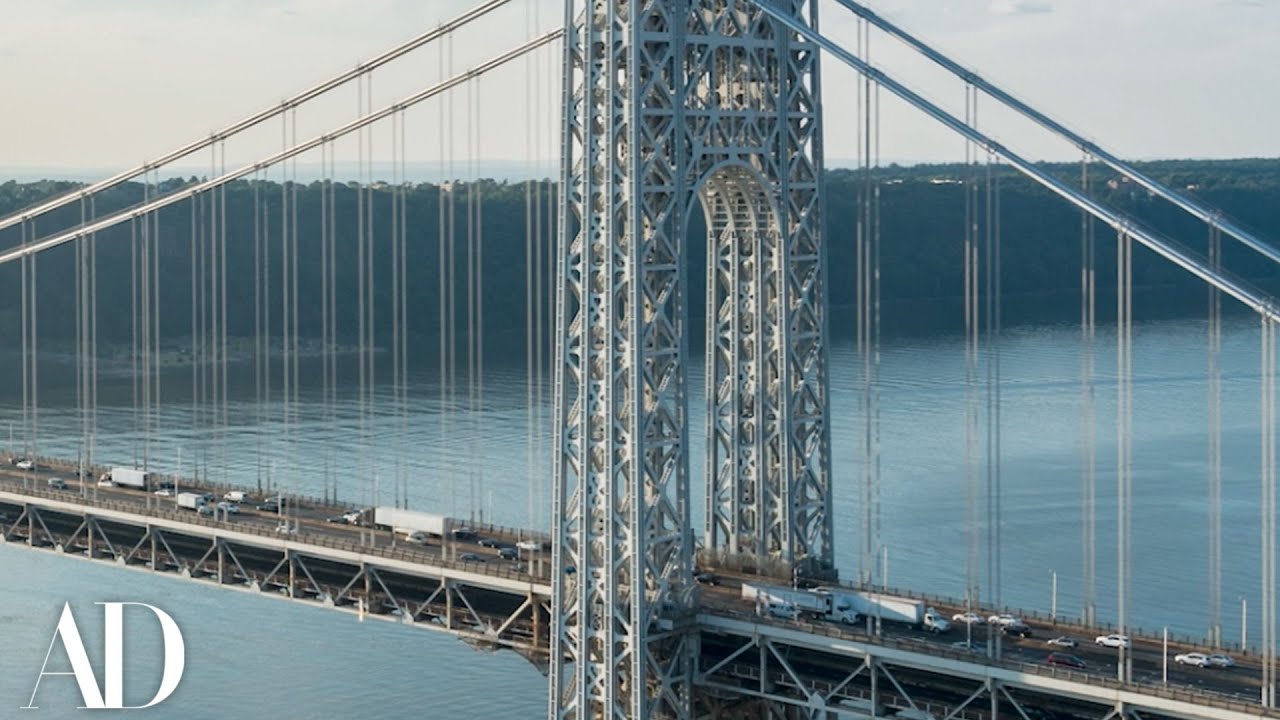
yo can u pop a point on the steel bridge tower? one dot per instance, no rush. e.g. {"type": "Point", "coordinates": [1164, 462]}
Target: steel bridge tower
{"type": "Point", "coordinates": [669, 103]}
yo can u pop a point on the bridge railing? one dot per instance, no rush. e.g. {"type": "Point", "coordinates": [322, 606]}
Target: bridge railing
{"type": "Point", "coordinates": [301, 538]}
{"type": "Point", "coordinates": [1202, 697]}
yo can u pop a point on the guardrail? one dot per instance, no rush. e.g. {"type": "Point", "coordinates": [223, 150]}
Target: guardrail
{"type": "Point", "coordinates": [1201, 697]}
{"type": "Point", "coordinates": [303, 538]}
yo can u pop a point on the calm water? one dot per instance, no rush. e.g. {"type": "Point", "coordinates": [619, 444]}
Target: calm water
{"type": "Point", "coordinates": [250, 657]}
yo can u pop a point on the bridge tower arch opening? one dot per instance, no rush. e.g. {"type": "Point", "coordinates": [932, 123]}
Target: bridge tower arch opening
{"type": "Point", "coordinates": [668, 103]}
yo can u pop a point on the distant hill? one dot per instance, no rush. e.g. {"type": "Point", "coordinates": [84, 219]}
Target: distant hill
{"type": "Point", "coordinates": [922, 215]}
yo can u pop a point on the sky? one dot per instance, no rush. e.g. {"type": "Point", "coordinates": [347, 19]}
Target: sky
{"type": "Point", "coordinates": [94, 86]}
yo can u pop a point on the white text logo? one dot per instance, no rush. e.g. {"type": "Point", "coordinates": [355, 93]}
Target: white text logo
{"type": "Point", "coordinates": [111, 696]}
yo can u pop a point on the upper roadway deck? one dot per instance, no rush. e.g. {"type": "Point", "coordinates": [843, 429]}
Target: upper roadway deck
{"type": "Point", "coordinates": [252, 538]}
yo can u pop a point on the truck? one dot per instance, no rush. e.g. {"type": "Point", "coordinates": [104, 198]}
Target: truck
{"type": "Point", "coordinates": [806, 602]}
{"type": "Point", "coordinates": [408, 522]}
{"type": "Point", "coordinates": [191, 501]}
{"type": "Point", "coordinates": [889, 607]}
{"type": "Point", "coordinates": [131, 478]}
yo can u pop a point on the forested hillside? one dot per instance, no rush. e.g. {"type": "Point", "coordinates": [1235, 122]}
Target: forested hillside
{"type": "Point", "coordinates": [922, 216]}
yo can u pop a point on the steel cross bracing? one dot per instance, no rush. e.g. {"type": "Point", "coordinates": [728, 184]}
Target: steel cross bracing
{"type": "Point", "coordinates": [667, 101]}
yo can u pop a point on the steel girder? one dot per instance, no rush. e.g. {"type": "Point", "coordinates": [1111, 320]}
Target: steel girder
{"type": "Point", "coordinates": [663, 98]}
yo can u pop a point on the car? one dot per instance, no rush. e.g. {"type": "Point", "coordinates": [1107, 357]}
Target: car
{"type": "Point", "coordinates": [1222, 661]}
{"type": "Point", "coordinates": [1065, 660]}
{"type": "Point", "coordinates": [969, 618]}
{"type": "Point", "coordinates": [269, 507]}
{"type": "Point", "coordinates": [205, 510]}
{"type": "Point", "coordinates": [286, 529]}
{"type": "Point", "coordinates": [57, 484]}
{"type": "Point", "coordinates": [107, 483]}
{"type": "Point", "coordinates": [1018, 629]}
{"type": "Point", "coordinates": [707, 578]}
{"type": "Point", "coordinates": [1003, 620]}
{"type": "Point", "coordinates": [471, 557]}
{"type": "Point", "coordinates": [968, 646]}
{"type": "Point", "coordinates": [489, 543]}
{"type": "Point", "coordinates": [164, 492]}
{"type": "Point", "coordinates": [529, 545]}
{"type": "Point", "coordinates": [1062, 641]}
{"type": "Point", "coordinates": [463, 533]}
{"type": "Point", "coordinates": [229, 507]}
{"type": "Point", "coordinates": [25, 465]}
{"type": "Point", "coordinates": [166, 485]}
{"type": "Point", "coordinates": [340, 519]}
{"type": "Point", "coordinates": [1193, 658]}
{"type": "Point", "coordinates": [416, 538]}
{"type": "Point", "coordinates": [352, 516]}
{"type": "Point", "coordinates": [508, 553]}
{"type": "Point", "coordinates": [1112, 641]}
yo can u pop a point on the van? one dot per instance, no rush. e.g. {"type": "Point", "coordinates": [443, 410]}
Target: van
{"type": "Point", "coordinates": [235, 496]}
{"type": "Point", "coordinates": [781, 610]}
{"type": "Point", "coordinates": [57, 484]}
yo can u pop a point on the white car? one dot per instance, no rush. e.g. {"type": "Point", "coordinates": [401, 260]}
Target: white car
{"type": "Point", "coordinates": [529, 545]}
{"type": "Point", "coordinates": [1062, 642]}
{"type": "Point", "coordinates": [969, 618]}
{"type": "Point", "coordinates": [229, 507]}
{"type": "Point", "coordinates": [286, 529]}
{"type": "Point", "coordinates": [416, 538]}
{"type": "Point", "coordinates": [1224, 661]}
{"type": "Point", "coordinates": [1194, 658]}
{"type": "Point", "coordinates": [164, 492]}
{"type": "Point", "coordinates": [106, 483]}
{"type": "Point", "coordinates": [1112, 641]}
{"type": "Point", "coordinates": [25, 465]}
{"type": "Point", "coordinates": [1003, 620]}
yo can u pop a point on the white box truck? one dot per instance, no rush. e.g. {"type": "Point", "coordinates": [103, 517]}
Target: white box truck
{"type": "Point", "coordinates": [191, 501]}
{"type": "Point", "coordinates": [408, 522]}
{"type": "Point", "coordinates": [804, 601]}
{"type": "Point", "coordinates": [130, 478]}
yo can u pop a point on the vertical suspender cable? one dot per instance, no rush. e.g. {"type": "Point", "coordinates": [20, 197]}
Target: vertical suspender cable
{"type": "Point", "coordinates": [404, 302]}
{"type": "Point", "coordinates": [257, 326]}
{"type": "Point", "coordinates": [443, 196]}
{"type": "Point", "coordinates": [195, 342]}
{"type": "Point", "coordinates": [325, 356]}
{"type": "Point", "coordinates": [971, 328]}
{"type": "Point", "coordinates": [81, 406]}
{"type": "Point", "coordinates": [93, 336]}
{"type": "Point", "coordinates": [531, 496]}
{"type": "Point", "coordinates": [1266, 402]}
{"type": "Point", "coordinates": [133, 321]}
{"type": "Point", "coordinates": [1215, 445]}
{"type": "Point", "coordinates": [1088, 438]}
{"type": "Point", "coordinates": [360, 281]}
{"type": "Point", "coordinates": [1124, 456]}
{"type": "Point", "coordinates": [26, 363]}
{"type": "Point", "coordinates": [222, 291]}
{"type": "Point", "coordinates": [479, 285]}
{"type": "Point", "coordinates": [863, 308]}
{"type": "Point", "coordinates": [472, 418]}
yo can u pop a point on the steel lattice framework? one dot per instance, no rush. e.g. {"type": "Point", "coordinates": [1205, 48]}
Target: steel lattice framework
{"type": "Point", "coordinates": [667, 103]}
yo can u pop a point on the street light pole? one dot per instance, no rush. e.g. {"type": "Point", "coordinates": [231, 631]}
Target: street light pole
{"type": "Point", "coordinates": [1244, 622]}
{"type": "Point", "coordinates": [1164, 659]}
{"type": "Point", "coordinates": [1053, 603]}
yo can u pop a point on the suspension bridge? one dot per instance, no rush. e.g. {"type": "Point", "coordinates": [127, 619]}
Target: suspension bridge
{"type": "Point", "coordinates": [660, 112]}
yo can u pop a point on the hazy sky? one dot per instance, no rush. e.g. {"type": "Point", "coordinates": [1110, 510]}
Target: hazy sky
{"type": "Point", "coordinates": [104, 84]}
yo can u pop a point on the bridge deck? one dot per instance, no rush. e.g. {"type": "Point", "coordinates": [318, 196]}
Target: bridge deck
{"type": "Point", "coordinates": [505, 604]}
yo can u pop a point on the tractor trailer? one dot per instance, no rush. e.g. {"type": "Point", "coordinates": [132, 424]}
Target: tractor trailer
{"type": "Point", "coordinates": [408, 522]}
{"type": "Point", "coordinates": [131, 478]}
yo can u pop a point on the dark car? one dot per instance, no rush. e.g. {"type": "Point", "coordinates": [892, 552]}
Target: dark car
{"type": "Point", "coordinates": [507, 553]}
{"type": "Point", "coordinates": [269, 507]}
{"type": "Point", "coordinates": [464, 534]}
{"type": "Point", "coordinates": [707, 578]}
{"type": "Point", "coordinates": [489, 543]}
{"type": "Point", "coordinates": [1017, 629]}
{"type": "Point", "coordinates": [471, 557]}
{"type": "Point", "coordinates": [1065, 660]}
